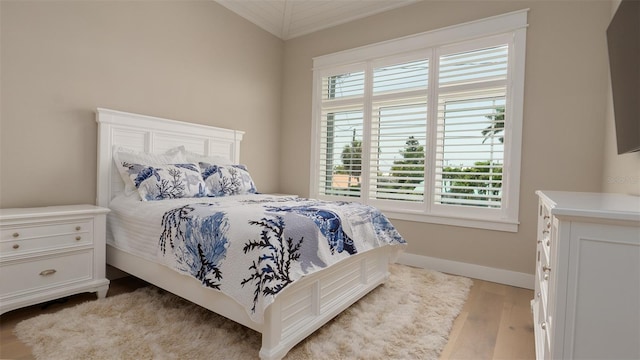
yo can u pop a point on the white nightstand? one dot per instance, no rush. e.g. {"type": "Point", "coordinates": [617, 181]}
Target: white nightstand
{"type": "Point", "coordinates": [50, 252]}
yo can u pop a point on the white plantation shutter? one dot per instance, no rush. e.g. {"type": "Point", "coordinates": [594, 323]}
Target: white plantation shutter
{"type": "Point", "coordinates": [473, 67]}
{"type": "Point", "coordinates": [469, 164]}
{"type": "Point", "coordinates": [398, 130]}
{"type": "Point", "coordinates": [340, 157]}
{"type": "Point", "coordinates": [343, 86]}
{"type": "Point", "coordinates": [397, 152]}
{"type": "Point", "coordinates": [400, 78]}
{"type": "Point", "coordinates": [341, 134]}
{"type": "Point", "coordinates": [425, 133]}
{"type": "Point", "coordinates": [471, 121]}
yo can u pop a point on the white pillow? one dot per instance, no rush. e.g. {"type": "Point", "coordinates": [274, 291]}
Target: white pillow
{"type": "Point", "coordinates": [124, 158]}
{"type": "Point", "coordinates": [169, 181]}
{"type": "Point", "coordinates": [197, 158]}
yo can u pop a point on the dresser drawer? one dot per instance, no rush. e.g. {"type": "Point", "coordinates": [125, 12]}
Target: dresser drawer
{"type": "Point", "coordinates": [42, 236]}
{"type": "Point", "coordinates": [544, 225]}
{"type": "Point", "coordinates": [543, 271]}
{"type": "Point", "coordinates": [41, 273]}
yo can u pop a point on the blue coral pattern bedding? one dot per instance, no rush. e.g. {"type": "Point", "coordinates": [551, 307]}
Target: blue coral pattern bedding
{"type": "Point", "coordinates": [252, 247]}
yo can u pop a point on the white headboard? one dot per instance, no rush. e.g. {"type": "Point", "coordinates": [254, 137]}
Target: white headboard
{"type": "Point", "coordinates": [153, 135]}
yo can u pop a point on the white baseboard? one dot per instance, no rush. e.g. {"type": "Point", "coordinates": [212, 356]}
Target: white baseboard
{"type": "Point", "coordinates": [501, 276]}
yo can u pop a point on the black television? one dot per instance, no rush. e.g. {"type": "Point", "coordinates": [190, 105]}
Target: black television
{"type": "Point", "coordinates": [623, 42]}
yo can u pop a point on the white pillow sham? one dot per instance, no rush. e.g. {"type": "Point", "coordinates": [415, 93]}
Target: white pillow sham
{"type": "Point", "coordinates": [124, 158]}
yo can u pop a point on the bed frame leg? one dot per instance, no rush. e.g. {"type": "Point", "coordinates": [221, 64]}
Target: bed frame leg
{"type": "Point", "coordinates": [271, 336]}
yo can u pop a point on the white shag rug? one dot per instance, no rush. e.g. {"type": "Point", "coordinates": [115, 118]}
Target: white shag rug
{"type": "Point", "coordinates": [409, 317]}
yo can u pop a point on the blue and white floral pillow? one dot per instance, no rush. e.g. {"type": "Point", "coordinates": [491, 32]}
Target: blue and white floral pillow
{"type": "Point", "coordinates": [170, 181]}
{"type": "Point", "coordinates": [223, 180]}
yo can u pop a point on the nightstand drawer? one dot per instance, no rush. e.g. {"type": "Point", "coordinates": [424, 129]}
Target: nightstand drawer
{"type": "Point", "coordinates": [45, 272]}
{"type": "Point", "coordinates": [43, 236]}
{"type": "Point", "coordinates": [45, 229]}
{"type": "Point", "coordinates": [14, 247]}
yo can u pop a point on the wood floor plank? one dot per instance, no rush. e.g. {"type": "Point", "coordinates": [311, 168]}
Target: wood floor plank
{"type": "Point", "coordinates": [458, 324]}
{"type": "Point", "coordinates": [478, 336]}
{"type": "Point", "coordinates": [494, 314]}
{"type": "Point", "coordinates": [515, 333]}
{"type": "Point", "coordinates": [15, 348]}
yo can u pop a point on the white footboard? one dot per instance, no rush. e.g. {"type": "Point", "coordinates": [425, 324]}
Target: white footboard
{"type": "Point", "coordinates": [311, 302]}
{"type": "Point", "coordinates": [298, 311]}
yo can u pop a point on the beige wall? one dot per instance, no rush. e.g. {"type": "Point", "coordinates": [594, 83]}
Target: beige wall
{"type": "Point", "coordinates": [564, 112]}
{"type": "Point", "coordinates": [621, 172]}
{"type": "Point", "coordinates": [187, 60]}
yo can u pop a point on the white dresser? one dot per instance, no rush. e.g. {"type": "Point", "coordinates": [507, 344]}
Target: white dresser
{"type": "Point", "coordinates": [587, 294]}
{"type": "Point", "coordinates": [51, 252]}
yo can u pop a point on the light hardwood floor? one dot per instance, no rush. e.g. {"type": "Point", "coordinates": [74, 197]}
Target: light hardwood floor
{"type": "Point", "coordinates": [495, 322]}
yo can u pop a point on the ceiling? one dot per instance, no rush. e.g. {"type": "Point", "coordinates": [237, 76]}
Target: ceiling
{"type": "Point", "coordinates": [288, 19]}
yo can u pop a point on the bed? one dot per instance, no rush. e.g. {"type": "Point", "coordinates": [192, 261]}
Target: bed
{"type": "Point", "coordinates": [288, 313]}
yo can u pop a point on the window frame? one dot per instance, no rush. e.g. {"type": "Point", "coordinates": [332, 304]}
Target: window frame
{"type": "Point", "coordinates": [507, 29]}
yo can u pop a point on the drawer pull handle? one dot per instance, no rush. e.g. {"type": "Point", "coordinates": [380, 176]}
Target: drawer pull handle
{"type": "Point", "coordinates": [543, 326]}
{"type": "Point", "coordinates": [539, 294]}
{"type": "Point", "coordinates": [47, 272]}
{"type": "Point", "coordinates": [78, 238]}
{"type": "Point", "coordinates": [15, 246]}
{"type": "Point", "coordinates": [548, 242]}
{"type": "Point", "coordinates": [15, 235]}
{"type": "Point", "coordinates": [78, 228]}
{"type": "Point", "coordinates": [546, 270]}
{"type": "Point", "coordinates": [545, 231]}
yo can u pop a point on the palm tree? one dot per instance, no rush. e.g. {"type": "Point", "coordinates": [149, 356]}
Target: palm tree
{"type": "Point", "coordinates": [496, 126]}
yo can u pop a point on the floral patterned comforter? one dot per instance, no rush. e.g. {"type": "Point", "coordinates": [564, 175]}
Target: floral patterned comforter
{"type": "Point", "coordinates": [253, 247]}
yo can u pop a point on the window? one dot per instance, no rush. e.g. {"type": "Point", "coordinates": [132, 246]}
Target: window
{"type": "Point", "coordinates": [426, 127]}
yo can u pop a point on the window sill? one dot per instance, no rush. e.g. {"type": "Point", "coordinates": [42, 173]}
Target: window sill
{"type": "Point", "coordinates": [486, 224]}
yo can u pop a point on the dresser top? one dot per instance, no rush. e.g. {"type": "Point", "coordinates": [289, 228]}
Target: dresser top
{"type": "Point", "coordinates": [38, 212]}
{"type": "Point", "coordinates": [585, 204]}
